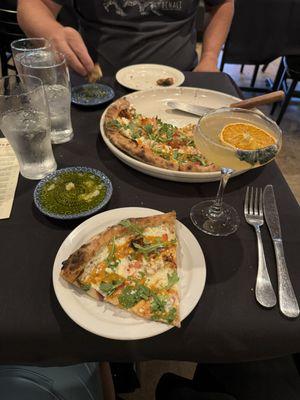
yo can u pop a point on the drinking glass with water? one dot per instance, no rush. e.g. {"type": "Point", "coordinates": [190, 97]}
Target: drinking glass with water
{"type": "Point", "coordinates": [21, 46]}
{"type": "Point", "coordinates": [51, 68]}
{"type": "Point", "coordinates": [25, 122]}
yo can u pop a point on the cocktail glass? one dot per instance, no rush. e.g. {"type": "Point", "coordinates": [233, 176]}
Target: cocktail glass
{"type": "Point", "coordinates": [21, 46]}
{"type": "Point", "coordinates": [51, 68]}
{"type": "Point", "coordinates": [215, 217]}
{"type": "Point", "coordinates": [25, 122]}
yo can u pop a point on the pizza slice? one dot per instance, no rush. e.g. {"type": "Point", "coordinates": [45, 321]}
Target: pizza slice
{"type": "Point", "coordinates": [153, 141]}
{"type": "Point", "coordinates": [131, 265]}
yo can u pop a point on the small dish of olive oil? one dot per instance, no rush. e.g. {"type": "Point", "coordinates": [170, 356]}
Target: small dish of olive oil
{"type": "Point", "coordinates": [73, 192]}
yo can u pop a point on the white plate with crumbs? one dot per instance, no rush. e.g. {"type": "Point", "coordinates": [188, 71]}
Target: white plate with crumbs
{"type": "Point", "coordinates": [105, 320]}
{"type": "Point", "coordinates": [149, 76]}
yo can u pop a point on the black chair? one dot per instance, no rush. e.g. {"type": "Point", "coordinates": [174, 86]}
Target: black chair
{"type": "Point", "coordinates": [262, 31]}
{"type": "Point", "coordinates": [9, 31]}
{"type": "Point", "coordinates": [290, 69]}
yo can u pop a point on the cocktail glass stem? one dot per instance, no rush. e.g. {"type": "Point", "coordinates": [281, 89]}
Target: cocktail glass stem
{"type": "Point", "coordinates": [215, 217]}
{"type": "Point", "coordinates": [216, 209]}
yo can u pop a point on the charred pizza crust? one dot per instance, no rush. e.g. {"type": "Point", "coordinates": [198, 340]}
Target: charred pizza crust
{"type": "Point", "coordinates": [141, 152]}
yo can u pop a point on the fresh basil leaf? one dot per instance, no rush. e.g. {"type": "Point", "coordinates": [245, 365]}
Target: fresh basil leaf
{"type": "Point", "coordinates": [111, 261]}
{"type": "Point", "coordinates": [148, 248]}
{"type": "Point", "coordinates": [158, 303]}
{"type": "Point", "coordinates": [169, 318]}
{"type": "Point", "coordinates": [85, 286]}
{"type": "Point", "coordinates": [132, 227]}
{"type": "Point", "coordinates": [149, 129]}
{"type": "Point", "coordinates": [175, 154]}
{"type": "Point", "coordinates": [114, 123]}
{"type": "Point", "coordinates": [108, 288]}
{"type": "Point", "coordinates": [172, 279]}
{"type": "Point", "coordinates": [131, 295]}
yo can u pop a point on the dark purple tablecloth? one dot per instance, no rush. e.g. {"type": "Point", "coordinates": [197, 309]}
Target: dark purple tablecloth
{"type": "Point", "coordinates": [226, 325]}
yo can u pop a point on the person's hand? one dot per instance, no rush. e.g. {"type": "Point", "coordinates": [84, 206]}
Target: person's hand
{"type": "Point", "coordinates": [69, 42]}
{"type": "Point", "coordinates": [207, 64]}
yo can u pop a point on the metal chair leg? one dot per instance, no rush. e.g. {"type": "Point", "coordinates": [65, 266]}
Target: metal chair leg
{"type": "Point", "coordinates": [278, 75]}
{"type": "Point", "coordinates": [242, 68]}
{"type": "Point", "coordinates": [264, 67]}
{"type": "Point", "coordinates": [279, 86]}
{"type": "Point", "coordinates": [254, 75]}
{"type": "Point", "coordinates": [222, 62]}
{"type": "Point", "coordinates": [287, 100]}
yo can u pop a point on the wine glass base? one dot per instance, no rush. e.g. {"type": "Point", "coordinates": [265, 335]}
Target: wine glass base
{"type": "Point", "coordinates": [223, 225]}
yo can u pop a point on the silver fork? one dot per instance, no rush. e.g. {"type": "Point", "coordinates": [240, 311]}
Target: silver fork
{"type": "Point", "coordinates": [253, 210]}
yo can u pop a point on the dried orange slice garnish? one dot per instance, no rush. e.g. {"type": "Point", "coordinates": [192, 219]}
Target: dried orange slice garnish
{"type": "Point", "coordinates": [246, 136]}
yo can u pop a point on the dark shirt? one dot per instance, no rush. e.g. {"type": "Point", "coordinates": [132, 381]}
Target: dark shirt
{"type": "Point", "coordinates": [125, 32]}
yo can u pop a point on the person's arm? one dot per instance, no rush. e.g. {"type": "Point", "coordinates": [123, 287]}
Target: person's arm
{"type": "Point", "coordinates": [215, 35]}
{"type": "Point", "coordinates": [37, 18]}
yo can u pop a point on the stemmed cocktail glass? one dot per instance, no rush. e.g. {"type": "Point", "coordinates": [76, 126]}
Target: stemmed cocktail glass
{"type": "Point", "coordinates": [225, 136]}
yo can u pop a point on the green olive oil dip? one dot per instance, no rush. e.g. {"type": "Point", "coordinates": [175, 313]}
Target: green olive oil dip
{"type": "Point", "coordinates": [72, 193]}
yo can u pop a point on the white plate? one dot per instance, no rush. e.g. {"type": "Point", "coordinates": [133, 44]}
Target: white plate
{"type": "Point", "coordinates": [144, 76]}
{"type": "Point", "coordinates": [153, 103]}
{"type": "Point", "coordinates": [104, 319]}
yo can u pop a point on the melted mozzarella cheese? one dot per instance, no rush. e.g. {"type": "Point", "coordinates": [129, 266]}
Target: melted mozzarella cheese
{"type": "Point", "coordinates": [159, 231]}
{"type": "Point", "coordinates": [156, 231]}
{"type": "Point", "coordinates": [123, 269]}
{"type": "Point", "coordinates": [159, 279]}
{"type": "Point", "coordinates": [121, 241]}
{"type": "Point", "coordinates": [124, 120]}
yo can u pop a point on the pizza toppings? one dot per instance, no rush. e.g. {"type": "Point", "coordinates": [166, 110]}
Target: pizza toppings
{"type": "Point", "coordinates": [154, 141]}
{"type": "Point", "coordinates": [133, 266]}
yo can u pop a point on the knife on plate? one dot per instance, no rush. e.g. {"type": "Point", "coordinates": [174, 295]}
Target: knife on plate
{"type": "Point", "coordinates": [287, 300]}
{"type": "Point", "coordinates": [248, 103]}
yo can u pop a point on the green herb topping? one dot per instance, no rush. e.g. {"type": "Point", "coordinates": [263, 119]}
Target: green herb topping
{"type": "Point", "coordinates": [108, 288]}
{"type": "Point", "coordinates": [131, 295]}
{"type": "Point", "coordinates": [172, 279]}
{"type": "Point", "coordinates": [132, 227]}
{"type": "Point", "coordinates": [158, 303]}
{"type": "Point", "coordinates": [149, 248]}
{"type": "Point", "coordinates": [111, 260]}
{"type": "Point", "coordinates": [169, 318]}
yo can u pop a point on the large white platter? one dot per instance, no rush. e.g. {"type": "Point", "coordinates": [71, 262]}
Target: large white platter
{"type": "Point", "coordinates": [154, 103]}
{"type": "Point", "coordinates": [104, 319]}
{"type": "Point", "coordinates": [144, 76]}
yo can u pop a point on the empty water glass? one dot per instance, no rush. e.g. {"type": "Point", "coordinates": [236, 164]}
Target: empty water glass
{"type": "Point", "coordinates": [51, 68]}
{"type": "Point", "coordinates": [21, 46]}
{"type": "Point", "coordinates": [25, 122]}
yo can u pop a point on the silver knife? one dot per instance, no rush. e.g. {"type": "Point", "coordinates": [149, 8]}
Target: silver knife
{"type": "Point", "coordinates": [287, 300]}
{"type": "Point", "coordinates": [190, 108]}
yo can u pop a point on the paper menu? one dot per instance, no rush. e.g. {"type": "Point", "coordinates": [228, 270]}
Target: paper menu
{"type": "Point", "coordinates": [9, 172]}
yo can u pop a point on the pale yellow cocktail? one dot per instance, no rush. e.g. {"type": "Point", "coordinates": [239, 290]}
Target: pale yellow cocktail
{"type": "Point", "coordinates": [235, 140]}
{"type": "Point", "coordinates": [238, 139]}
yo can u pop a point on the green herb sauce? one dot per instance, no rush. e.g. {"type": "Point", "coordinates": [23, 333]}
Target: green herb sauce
{"type": "Point", "coordinates": [72, 193]}
{"type": "Point", "coordinates": [91, 93]}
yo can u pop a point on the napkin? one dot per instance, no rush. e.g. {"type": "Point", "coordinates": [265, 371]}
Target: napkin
{"type": "Point", "coordinates": [9, 172]}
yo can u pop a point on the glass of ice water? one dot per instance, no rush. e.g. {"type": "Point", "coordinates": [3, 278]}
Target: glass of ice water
{"type": "Point", "coordinates": [51, 68]}
{"type": "Point", "coordinates": [25, 122]}
{"type": "Point", "coordinates": [21, 46]}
